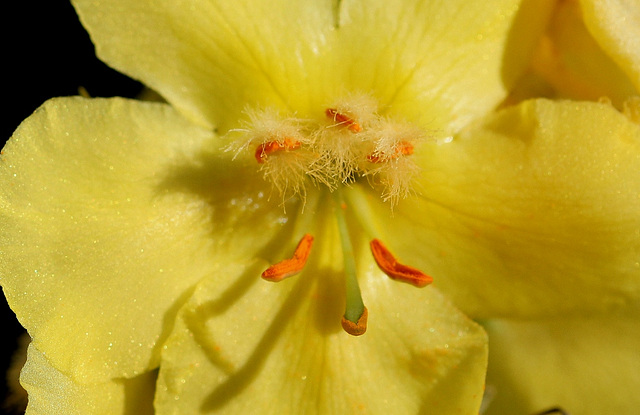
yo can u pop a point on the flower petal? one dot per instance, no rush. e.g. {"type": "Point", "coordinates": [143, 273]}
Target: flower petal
{"type": "Point", "coordinates": [437, 63]}
{"type": "Point", "coordinates": [536, 211]}
{"type": "Point", "coordinates": [52, 392]}
{"type": "Point", "coordinates": [279, 347]}
{"type": "Point", "coordinates": [211, 58]}
{"type": "Point", "coordinates": [586, 366]}
{"type": "Point", "coordinates": [615, 24]}
{"type": "Point", "coordinates": [110, 212]}
{"type": "Point", "coordinates": [440, 64]}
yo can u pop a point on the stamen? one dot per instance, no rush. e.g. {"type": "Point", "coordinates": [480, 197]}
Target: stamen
{"type": "Point", "coordinates": [343, 119]}
{"type": "Point", "coordinates": [395, 270]}
{"type": "Point", "coordinates": [271, 147]}
{"type": "Point", "coordinates": [355, 316]}
{"type": "Point", "coordinates": [292, 266]}
{"type": "Point", "coordinates": [404, 148]}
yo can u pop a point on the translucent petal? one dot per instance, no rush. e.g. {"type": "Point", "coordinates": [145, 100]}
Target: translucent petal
{"type": "Point", "coordinates": [615, 24]}
{"type": "Point", "coordinates": [52, 392]}
{"type": "Point", "coordinates": [437, 63]}
{"type": "Point", "coordinates": [110, 212]}
{"type": "Point", "coordinates": [279, 348]}
{"type": "Point", "coordinates": [575, 64]}
{"type": "Point", "coordinates": [586, 366]}
{"type": "Point", "coordinates": [535, 211]}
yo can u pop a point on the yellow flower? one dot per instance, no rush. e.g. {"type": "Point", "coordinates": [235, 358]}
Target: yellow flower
{"type": "Point", "coordinates": [134, 234]}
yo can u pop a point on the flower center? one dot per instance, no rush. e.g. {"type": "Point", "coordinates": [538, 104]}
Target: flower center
{"type": "Point", "coordinates": [350, 142]}
{"type": "Point", "coordinates": [347, 142]}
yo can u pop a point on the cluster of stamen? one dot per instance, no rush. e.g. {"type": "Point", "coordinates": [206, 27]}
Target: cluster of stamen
{"type": "Point", "coordinates": [348, 142]}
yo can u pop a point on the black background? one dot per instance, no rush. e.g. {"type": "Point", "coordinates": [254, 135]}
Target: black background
{"type": "Point", "coordinates": [45, 53]}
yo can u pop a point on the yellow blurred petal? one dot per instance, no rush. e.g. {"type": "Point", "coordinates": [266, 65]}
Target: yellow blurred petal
{"type": "Point", "coordinates": [279, 347]}
{"type": "Point", "coordinates": [437, 63]}
{"type": "Point", "coordinates": [110, 212]}
{"type": "Point", "coordinates": [535, 211]}
{"type": "Point", "coordinates": [573, 62]}
{"type": "Point", "coordinates": [52, 392]}
{"type": "Point", "coordinates": [586, 366]}
{"type": "Point", "coordinates": [615, 24]}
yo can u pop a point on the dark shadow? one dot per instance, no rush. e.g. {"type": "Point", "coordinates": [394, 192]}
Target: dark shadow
{"type": "Point", "coordinates": [196, 320]}
{"type": "Point", "coordinates": [241, 378]}
{"type": "Point", "coordinates": [511, 70]}
{"type": "Point", "coordinates": [139, 392]}
{"type": "Point", "coordinates": [228, 188]}
{"type": "Point", "coordinates": [235, 192]}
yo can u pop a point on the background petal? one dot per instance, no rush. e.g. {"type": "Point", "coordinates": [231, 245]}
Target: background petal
{"type": "Point", "coordinates": [279, 348]}
{"type": "Point", "coordinates": [615, 24]}
{"type": "Point", "coordinates": [52, 392]}
{"type": "Point", "coordinates": [587, 366]}
{"type": "Point", "coordinates": [110, 212]}
{"type": "Point", "coordinates": [535, 211]}
{"type": "Point", "coordinates": [575, 64]}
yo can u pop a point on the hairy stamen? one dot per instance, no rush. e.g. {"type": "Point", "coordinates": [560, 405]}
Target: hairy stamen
{"type": "Point", "coordinates": [271, 147]}
{"type": "Point", "coordinates": [343, 119]}
{"type": "Point", "coordinates": [403, 148]}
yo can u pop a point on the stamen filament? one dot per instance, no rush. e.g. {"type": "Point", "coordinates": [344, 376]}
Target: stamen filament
{"type": "Point", "coordinates": [355, 312]}
{"type": "Point", "coordinates": [292, 266]}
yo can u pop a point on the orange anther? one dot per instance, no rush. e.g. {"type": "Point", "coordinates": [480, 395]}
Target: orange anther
{"type": "Point", "coordinates": [404, 148]}
{"type": "Point", "coordinates": [270, 147]}
{"type": "Point", "coordinates": [290, 267]}
{"type": "Point", "coordinates": [343, 119]}
{"type": "Point", "coordinates": [358, 328]}
{"type": "Point", "coordinates": [395, 270]}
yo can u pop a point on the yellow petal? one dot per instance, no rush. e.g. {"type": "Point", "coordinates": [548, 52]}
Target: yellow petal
{"type": "Point", "coordinates": [211, 58]}
{"type": "Point", "coordinates": [535, 211]}
{"type": "Point", "coordinates": [587, 366]}
{"type": "Point", "coordinates": [110, 212]}
{"type": "Point", "coordinates": [279, 347]}
{"type": "Point", "coordinates": [615, 24]}
{"type": "Point", "coordinates": [437, 63]}
{"type": "Point", "coordinates": [52, 392]}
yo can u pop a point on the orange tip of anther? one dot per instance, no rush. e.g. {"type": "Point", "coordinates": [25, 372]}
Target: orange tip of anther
{"type": "Point", "coordinates": [395, 270]}
{"type": "Point", "coordinates": [343, 119]}
{"type": "Point", "coordinates": [358, 328]}
{"type": "Point", "coordinates": [271, 147]}
{"type": "Point", "coordinates": [404, 148]}
{"type": "Point", "coordinates": [291, 266]}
